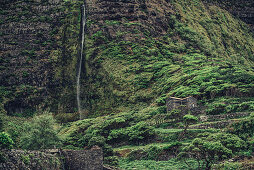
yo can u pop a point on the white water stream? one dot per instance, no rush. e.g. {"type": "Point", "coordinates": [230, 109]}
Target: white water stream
{"type": "Point", "coordinates": [81, 58]}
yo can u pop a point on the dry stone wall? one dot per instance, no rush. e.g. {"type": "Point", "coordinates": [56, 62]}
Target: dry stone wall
{"type": "Point", "coordinates": [84, 159]}
{"type": "Point", "coordinates": [18, 159]}
{"type": "Point", "coordinates": [52, 159]}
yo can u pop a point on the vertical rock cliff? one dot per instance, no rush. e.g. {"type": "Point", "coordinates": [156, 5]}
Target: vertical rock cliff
{"type": "Point", "coordinates": [27, 30]}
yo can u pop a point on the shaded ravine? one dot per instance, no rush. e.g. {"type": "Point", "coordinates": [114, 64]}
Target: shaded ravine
{"type": "Point", "coordinates": [81, 58]}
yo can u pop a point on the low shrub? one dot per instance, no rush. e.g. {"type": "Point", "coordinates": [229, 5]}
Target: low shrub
{"type": "Point", "coordinates": [140, 132]}
{"type": "Point", "coordinates": [96, 140]}
{"type": "Point", "coordinates": [14, 131]}
{"type": "Point", "coordinates": [111, 160]}
{"type": "Point", "coordinates": [114, 123]}
{"type": "Point", "coordinates": [40, 133]}
{"type": "Point", "coordinates": [5, 141]}
{"type": "Point", "coordinates": [211, 148]}
{"type": "Point", "coordinates": [118, 135]}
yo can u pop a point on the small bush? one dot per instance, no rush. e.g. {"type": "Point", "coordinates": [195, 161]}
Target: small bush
{"type": "Point", "coordinates": [5, 141]}
{"type": "Point", "coordinates": [40, 133]}
{"type": "Point", "coordinates": [111, 160]}
{"type": "Point", "coordinates": [14, 131]}
{"type": "Point", "coordinates": [161, 101]}
{"type": "Point", "coordinates": [25, 159]}
{"type": "Point", "coordinates": [216, 108]}
{"type": "Point", "coordinates": [153, 153]}
{"type": "Point", "coordinates": [97, 140]}
{"type": "Point", "coordinates": [118, 135]}
{"type": "Point", "coordinates": [140, 132]}
{"type": "Point", "coordinates": [114, 123]}
{"type": "Point", "coordinates": [243, 128]}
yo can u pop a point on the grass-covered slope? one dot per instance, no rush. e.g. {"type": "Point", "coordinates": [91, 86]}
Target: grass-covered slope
{"type": "Point", "coordinates": [199, 50]}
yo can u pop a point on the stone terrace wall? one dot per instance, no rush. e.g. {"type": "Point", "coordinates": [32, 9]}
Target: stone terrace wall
{"type": "Point", "coordinates": [52, 159]}
{"type": "Point", "coordinates": [84, 159]}
{"type": "Point", "coordinates": [18, 159]}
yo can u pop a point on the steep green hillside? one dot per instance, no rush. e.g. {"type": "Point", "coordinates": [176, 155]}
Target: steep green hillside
{"type": "Point", "coordinates": [137, 54]}
{"type": "Point", "coordinates": [176, 48]}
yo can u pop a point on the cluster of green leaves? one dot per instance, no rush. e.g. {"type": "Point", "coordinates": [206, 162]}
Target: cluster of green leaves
{"type": "Point", "coordinates": [5, 141]}
{"type": "Point", "coordinates": [111, 160]}
{"type": "Point", "coordinates": [134, 134]}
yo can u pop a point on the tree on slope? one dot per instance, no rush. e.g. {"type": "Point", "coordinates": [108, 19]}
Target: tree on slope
{"type": "Point", "coordinates": [40, 133]}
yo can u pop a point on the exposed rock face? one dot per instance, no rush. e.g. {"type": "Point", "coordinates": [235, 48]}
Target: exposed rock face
{"type": "Point", "coordinates": [27, 38]}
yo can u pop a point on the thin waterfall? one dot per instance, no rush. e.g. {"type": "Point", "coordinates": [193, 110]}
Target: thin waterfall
{"type": "Point", "coordinates": [81, 58]}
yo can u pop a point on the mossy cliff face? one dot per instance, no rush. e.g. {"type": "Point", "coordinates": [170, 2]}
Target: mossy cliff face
{"type": "Point", "coordinates": [136, 53]}
{"type": "Point", "coordinates": [32, 32]}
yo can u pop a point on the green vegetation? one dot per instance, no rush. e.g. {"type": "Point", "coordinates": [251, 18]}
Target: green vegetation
{"type": "Point", "coordinates": [39, 133]}
{"type": "Point", "coordinates": [188, 119]}
{"type": "Point", "coordinates": [131, 66]}
{"type": "Point", "coordinates": [211, 148]}
{"type": "Point", "coordinates": [5, 141]}
{"type": "Point", "coordinates": [161, 165]}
